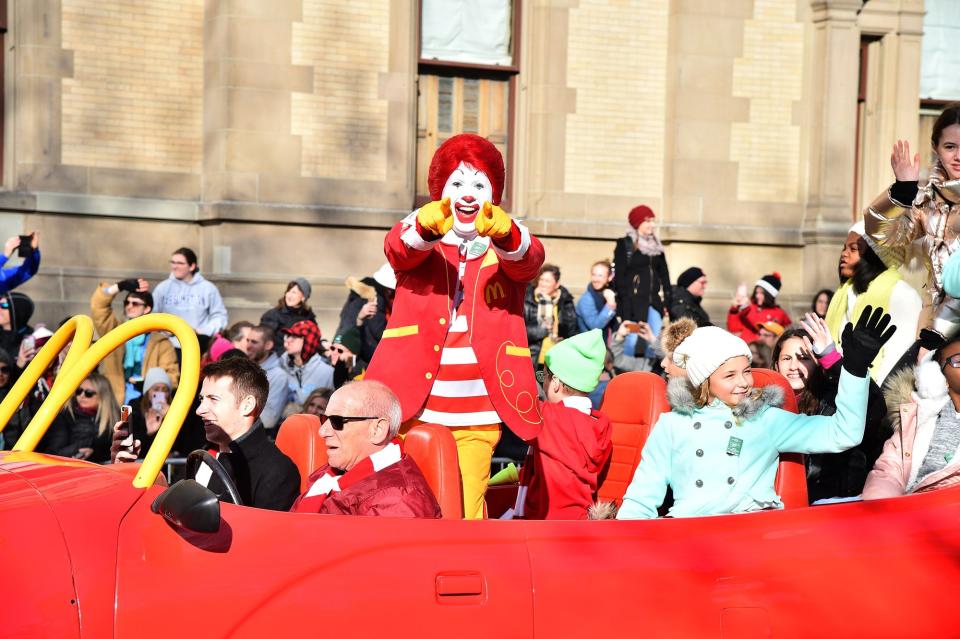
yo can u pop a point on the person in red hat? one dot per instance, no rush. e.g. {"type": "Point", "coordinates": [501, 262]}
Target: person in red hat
{"type": "Point", "coordinates": [641, 275]}
{"type": "Point", "coordinates": [455, 349]}
{"type": "Point", "coordinates": [302, 362]}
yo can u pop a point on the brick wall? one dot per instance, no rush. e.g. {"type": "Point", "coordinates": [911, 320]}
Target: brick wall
{"type": "Point", "coordinates": [134, 101]}
{"type": "Point", "coordinates": [617, 61]}
{"type": "Point", "coordinates": [767, 147]}
{"type": "Point", "coordinates": [343, 121]}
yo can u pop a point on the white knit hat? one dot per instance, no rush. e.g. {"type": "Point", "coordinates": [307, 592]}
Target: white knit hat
{"type": "Point", "coordinates": [706, 350]}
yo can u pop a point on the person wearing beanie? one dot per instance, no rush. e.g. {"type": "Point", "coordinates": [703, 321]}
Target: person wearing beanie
{"type": "Point", "coordinates": [127, 367]}
{"type": "Point", "coordinates": [641, 277]}
{"type": "Point", "coordinates": [367, 309]}
{"type": "Point", "coordinates": [571, 447]}
{"type": "Point", "coordinates": [688, 296]}
{"type": "Point", "coordinates": [745, 315]}
{"type": "Point", "coordinates": [870, 276]}
{"type": "Point", "coordinates": [290, 309]}
{"type": "Point", "coordinates": [719, 447]}
{"type": "Point", "coordinates": [148, 413]}
{"type": "Point", "coordinates": [16, 309]}
{"type": "Point", "coordinates": [303, 361]}
{"type": "Point", "coordinates": [343, 357]}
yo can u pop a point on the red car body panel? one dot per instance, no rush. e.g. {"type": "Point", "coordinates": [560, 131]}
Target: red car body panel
{"type": "Point", "coordinates": [77, 531]}
{"type": "Point", "coordinates": [282, 574]}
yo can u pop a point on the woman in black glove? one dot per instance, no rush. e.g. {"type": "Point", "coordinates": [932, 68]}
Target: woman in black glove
{"type": "Point", "coordinates": [718, 449]}
{"type": "Point", "coordinates": [809, 360]}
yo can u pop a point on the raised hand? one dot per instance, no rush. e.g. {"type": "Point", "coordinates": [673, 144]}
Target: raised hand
{"type": "Point", "coordinates": [862, 343]}
{"type": "Point", "coordinates": [436, 217]}
{"type": "Point", "coordinates": [819, 341]}
{"type": "Point", "coordinates": [493, 222]}
{"type": "Point", "coordinates": [905, 169]}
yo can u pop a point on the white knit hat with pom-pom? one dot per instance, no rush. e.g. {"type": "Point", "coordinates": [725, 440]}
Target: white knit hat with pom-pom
{"type": "Point", "coordinates": [706, 350]}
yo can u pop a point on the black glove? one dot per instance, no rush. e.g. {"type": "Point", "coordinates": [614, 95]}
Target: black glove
{"type": "Point", "coordinates": [130, 285]}
{"type": "Point", "coordinates": [930, 339]}
{"type": "Point", "coordinates": [862, 343]}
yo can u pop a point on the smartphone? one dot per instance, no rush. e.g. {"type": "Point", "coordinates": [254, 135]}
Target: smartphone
{"type": "Point", "coordinates": [125, 411]}
{"type": "Point", "coordinates": [159, 399]}
{"type": "Point", "coordinates": [29, 342]}
{"type": "Point", "coordinates": [633, 327]}
{"type": "Point", "coordinates": [26, 248]}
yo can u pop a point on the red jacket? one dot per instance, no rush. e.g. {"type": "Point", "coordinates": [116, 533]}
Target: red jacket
{"type": "Point", "coordinates": [408, 356]}
{"type": "Point", "coordinates": [743, 321]}
{"type": "Point", "coordinates": [399, 490]}
{"type": "Point", "coordinates": [565, 458]}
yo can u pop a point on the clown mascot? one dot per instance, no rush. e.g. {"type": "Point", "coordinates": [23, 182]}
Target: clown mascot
{"type": "Point", "coordinates": [455, 348]}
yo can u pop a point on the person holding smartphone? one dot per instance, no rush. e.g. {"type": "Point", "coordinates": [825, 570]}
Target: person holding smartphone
{"type": "Point", "coordinates": [27, 247]}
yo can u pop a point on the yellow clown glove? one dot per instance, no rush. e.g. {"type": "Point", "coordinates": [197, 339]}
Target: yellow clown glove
{"type": "Point", "coordinates": [436, 217]}
{"type": "Point", "coordinates": [493, 222]}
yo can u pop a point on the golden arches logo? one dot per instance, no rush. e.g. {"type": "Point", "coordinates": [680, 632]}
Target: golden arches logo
{"type": "Point", "coordinates": [80, 361]}
{"type": "Point", "coordinates": [494, 291]}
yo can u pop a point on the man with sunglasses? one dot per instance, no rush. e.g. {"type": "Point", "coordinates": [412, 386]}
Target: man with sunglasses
{"type": "Point", "coordinates": [367, 472]}
{"type": "Point", "coordinates": [126, 367]}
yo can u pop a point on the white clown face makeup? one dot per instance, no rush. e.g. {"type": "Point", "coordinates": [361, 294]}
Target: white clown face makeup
{"type": "Point", "coordinates": [468, 188]}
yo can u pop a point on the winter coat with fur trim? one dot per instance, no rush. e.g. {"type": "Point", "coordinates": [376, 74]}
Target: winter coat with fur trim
{"type": "Point", "coordinates": [915, 398]}
{"type": "Point", "coordinates": [723, 460]}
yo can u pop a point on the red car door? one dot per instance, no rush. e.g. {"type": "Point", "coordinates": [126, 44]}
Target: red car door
{"type": "Point", "coordinates": [273, 574]}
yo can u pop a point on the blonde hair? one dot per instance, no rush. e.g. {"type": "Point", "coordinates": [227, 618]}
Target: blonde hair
{"type": "Point", "coordinates": [108, 412]}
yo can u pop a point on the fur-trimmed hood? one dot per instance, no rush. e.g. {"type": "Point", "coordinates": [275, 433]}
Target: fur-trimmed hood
{"type": "Point", "coordinates": [680, 394]}
{"type": "Point", "coordinates": [922, 384]}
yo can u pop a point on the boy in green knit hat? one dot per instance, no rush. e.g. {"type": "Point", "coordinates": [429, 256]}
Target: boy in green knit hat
{"type": "Point", "coordinates": [559, 478]}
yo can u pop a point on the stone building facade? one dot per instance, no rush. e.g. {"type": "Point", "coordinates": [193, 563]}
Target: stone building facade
{"type": "Point", "coordinates": [281, 138]}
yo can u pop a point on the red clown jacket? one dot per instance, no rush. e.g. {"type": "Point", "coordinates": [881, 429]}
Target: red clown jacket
{"type": "Point", "coordinates": [408, 357]}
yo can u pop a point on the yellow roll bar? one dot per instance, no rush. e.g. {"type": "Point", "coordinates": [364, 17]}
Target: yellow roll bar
{"type": "Point", "coordinates": [71, 377]}
{"type": "Point", "coordinates": [78, 332]}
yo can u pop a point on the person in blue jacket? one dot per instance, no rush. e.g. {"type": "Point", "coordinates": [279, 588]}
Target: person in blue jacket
{"type": "Point", "coordinates": [14, 276]}
{"type": "Point", "coordinates": [719, 448]}
{"type": "Point", "coordinates": [597, 307]}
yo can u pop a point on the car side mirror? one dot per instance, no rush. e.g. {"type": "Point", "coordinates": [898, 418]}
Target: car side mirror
{"type": "Point", "coordinates": [189, 505]}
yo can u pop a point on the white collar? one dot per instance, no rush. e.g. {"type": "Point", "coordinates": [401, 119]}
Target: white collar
{"type": "Point", "coordinates": [580, 403]}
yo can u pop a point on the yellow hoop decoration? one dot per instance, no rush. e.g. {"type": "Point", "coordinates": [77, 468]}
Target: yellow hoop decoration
{"type": "Point", "coordinates": [78, 332]}
{"type": "Point", "coordinates": [80, 362]}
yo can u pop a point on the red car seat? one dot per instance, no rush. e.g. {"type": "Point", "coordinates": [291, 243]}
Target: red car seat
{"type": "Point", "coordinates": [633, 403]}
{"type": "Point", "coordinates": [791, 482]}
{"type": "Point", "coordinates": [299, 439]}
{"type": "Point", "coordinates": [434, 450]}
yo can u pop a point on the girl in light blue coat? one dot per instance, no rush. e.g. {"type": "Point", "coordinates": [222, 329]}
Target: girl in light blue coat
{"type": "Point", "coordinates": [720, 445]}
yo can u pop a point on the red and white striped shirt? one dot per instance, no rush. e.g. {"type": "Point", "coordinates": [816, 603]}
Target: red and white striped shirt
{"type": "Point", "coordinates": [458, 396]}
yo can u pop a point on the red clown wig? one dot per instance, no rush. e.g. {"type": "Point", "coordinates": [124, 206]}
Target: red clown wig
{"type": "Point", "coordinates": [472, 149]}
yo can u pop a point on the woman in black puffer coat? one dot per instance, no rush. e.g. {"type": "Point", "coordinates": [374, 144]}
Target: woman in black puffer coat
{"type": "Point", "coordinates": [640, 271]}
{"type": "Point", "coordinates": [290, 309]}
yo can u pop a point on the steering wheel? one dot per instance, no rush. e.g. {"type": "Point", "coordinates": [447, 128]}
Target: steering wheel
{"type": "Point", "coordinates": [198, 457]}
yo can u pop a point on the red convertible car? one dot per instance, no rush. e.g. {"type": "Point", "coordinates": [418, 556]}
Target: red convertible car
{"type": "Point", "coordinates": [91, 551]}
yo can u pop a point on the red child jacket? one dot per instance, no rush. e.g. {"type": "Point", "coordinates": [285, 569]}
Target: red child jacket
{"type": "Point", "coordinates": [408, 356]}
{"type": "Point", "coordinates": [565, 461]}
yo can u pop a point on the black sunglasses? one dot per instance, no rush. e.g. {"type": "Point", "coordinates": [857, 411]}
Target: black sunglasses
{"type": "Point", "coordinates": [86, 392]}
{"type": "Point", "coordinates": [4, 303]}
{"type": "Point", "coordinates": [4, 370]}
{"type": "Point", "coordinates": [337, 422]}
{"type": "Point", "coordinates": [543, 374]}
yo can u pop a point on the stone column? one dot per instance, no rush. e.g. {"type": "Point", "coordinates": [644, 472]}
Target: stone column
{"type": "Point", "coordinates": [832, 139]}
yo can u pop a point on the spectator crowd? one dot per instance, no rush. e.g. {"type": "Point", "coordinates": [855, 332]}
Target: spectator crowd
{"type": "Point", "coordinates": [874, 371]}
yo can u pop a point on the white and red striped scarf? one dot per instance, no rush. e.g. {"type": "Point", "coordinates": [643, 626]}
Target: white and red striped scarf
{"type": "Point", "coordinates": [326, 482]}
